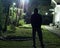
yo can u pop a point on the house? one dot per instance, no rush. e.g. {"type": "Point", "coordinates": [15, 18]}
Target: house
{"type": "Point", "coordinates": [56, 15]}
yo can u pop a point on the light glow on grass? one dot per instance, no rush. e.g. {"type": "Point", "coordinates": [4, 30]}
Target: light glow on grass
{"type": "Point", "coordinates": [50, 39]}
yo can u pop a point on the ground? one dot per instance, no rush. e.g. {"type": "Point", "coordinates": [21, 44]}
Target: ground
{"type": "Point", "coordinates": [50, 40]}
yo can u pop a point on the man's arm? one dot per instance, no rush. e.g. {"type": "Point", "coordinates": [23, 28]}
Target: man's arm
{"type": "Point", "coordinates": [40, 19]}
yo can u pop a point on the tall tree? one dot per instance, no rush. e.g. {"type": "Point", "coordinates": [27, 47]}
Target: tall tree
{"type": "Point", "coordinates": [1, 13]}
{"type": "Point", "coordinates": [6, 4]}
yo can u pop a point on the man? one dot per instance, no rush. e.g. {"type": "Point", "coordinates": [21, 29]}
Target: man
{"type": "Point", "coordinates": [36, 21]}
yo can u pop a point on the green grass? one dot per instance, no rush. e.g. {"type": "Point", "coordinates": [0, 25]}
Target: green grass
{"type": "Point", "coordinates": [50, 40]}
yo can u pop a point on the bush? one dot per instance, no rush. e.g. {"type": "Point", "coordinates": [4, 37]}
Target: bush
{"type": "Point", "coordinates": [21, 22]}
{"type": "Point", "coordinates": [11, 29]}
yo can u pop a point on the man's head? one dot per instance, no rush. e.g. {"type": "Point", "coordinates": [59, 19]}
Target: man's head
{"type": "Point", "coordinates": [35, 10]}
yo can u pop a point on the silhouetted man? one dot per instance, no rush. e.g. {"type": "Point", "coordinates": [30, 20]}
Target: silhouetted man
{"type": "Point", "coordinates": [36, 21]}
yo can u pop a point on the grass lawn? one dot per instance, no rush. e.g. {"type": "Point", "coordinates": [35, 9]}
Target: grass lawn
{"type": "Point", "coordinates": [50, 40]}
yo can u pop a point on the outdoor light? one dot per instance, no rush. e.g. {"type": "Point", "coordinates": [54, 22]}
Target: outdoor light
{"type": "Point", "coordinates": [53, 12]}
{"type": "Point", "coordinates": [27, 1]}
{"type": "Point", "coordinates": [24, 4]}
{"type": "Point", "coordinates": [23, 1]}
{"type": "Point", "coordinates": [14, 3]}
{"type": "Point", "coordinates": [46, 13]}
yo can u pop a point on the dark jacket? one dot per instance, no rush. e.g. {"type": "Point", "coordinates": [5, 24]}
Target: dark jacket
{"type": "Point", "coordinates": [36, 20]}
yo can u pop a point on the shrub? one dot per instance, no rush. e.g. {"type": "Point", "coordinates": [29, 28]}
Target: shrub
{"type": "Point", "coordinates": [21, 22]}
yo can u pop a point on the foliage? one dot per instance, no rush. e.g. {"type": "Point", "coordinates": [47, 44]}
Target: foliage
{"type": "Point", "coordinates": [12, 14]}
{"type": "Point", "coordinates": [1, 12]}
{"type": "Point", "coordinates": [16, 14]}
{"type": "Point", "coordinates": [11, 29]}
{"type": "Point", "coordinates": [2, 17]}
{"type": "Point", "coordinates": [1, 8]}
{"type": "Point", "coordinates": [21, 22]}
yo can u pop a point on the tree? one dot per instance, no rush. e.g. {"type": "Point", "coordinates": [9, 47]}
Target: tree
{"type": "Point", "coordinates": [6, 4]}
{"type": "Point", "coordinates": [1, 13]}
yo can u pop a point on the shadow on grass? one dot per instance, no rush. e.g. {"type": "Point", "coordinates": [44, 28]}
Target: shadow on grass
{"type": "Point", "coordinates": [26, 27]}
{"type": "Point", "coordinates": [16, 38]}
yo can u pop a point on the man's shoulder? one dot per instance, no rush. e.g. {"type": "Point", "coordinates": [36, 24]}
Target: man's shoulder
{"type": "Point", "coordinates": [32, 14]}
{"type": "Point", "coordinates": [36, 15]}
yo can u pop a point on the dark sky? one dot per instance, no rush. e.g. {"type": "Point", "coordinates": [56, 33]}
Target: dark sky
{"type": "Point", "coordinates": [33, 2]}
{"type": "Point", "coordinates": [41, 2]}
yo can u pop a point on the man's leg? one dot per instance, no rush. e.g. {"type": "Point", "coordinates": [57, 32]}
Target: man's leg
{"type": "Point", "coordinates": [34, 36]}
{"type": "Point", "coordinates": [40, 37]}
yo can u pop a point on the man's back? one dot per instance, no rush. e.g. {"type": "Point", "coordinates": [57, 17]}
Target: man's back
{"type": "Point", "coordinates": [36, 20]}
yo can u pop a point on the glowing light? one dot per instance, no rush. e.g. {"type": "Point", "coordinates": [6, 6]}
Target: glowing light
{"type": "Point", "coordinates": [53, 12]}
{"type": "Point", "coordinates": [23, 1]}
{"type": "Point", "coordinates": [14, 3]}
{"type": "Point", "coordinates": [27, 1]}
{"type": "Point", "coordinates": [46, 13]}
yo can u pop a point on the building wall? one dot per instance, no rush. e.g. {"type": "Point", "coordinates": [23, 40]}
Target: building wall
{"type": "Point", "coordinates": [57, 15]}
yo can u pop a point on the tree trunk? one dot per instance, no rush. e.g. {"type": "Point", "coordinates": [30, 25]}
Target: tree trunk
{"type": "Point", "coordinates": [6, 21]}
